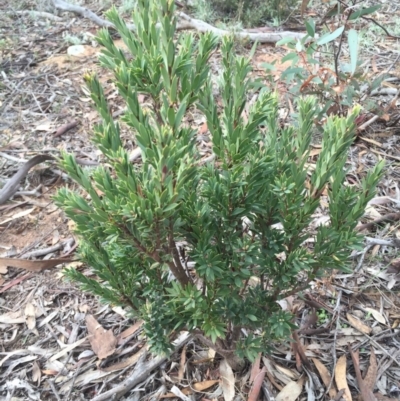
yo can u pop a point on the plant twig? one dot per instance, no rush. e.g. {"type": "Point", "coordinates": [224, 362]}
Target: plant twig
{"type": "Point", "coordinates": [380, 26]}
{"type": "Point", "coordinates": [337, 55]}
{"type": "Point", "coordinates": [5, 105]}
{"type": "Point", "coordinates": [12, 185]}
{"type": "Point", "coordinates": [50, 249]}
{"type": "Point", "coordinates": [53, 388]}
{"type": "Point", "coordinates": [387, 217]}
{"type": "Point", "coordinates": [176, 265]}
{"type": "Point", "coordinates": [64, 128]}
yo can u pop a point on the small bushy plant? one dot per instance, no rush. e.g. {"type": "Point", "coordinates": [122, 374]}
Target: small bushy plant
{"type": "Point", "coordinates": [251, 13]}
{"type": "Point", "coordinates": [321, 67]}
{"type": "Point", "coordinates": [242, 220]}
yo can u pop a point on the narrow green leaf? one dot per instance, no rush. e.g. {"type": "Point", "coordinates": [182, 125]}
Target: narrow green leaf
{"type": "Point", "coordinates": [364, 11]}
{"type": "Point", "coordinates": [310, 27]}
{"type": "Point", "coordinates": [290, 57]}
{"type": "Point", "coordinates": [285, 41]}
{"type": "Point", "coordinates": [170, 207]}
{"type": "Point", "coordinates": [353, 47]}
{"type": "Point", "coordinates": [330, 36]}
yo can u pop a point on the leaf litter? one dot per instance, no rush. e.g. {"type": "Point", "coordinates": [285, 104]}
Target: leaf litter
{"type": "Point", "coordinates": [58, 342]}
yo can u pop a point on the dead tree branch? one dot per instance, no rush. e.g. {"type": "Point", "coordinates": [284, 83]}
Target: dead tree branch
{"type": "Point", "coordinates": [186, 22]}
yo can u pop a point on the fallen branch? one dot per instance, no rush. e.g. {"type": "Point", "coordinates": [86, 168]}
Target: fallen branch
{"type": "Point", "coordinates": [394, 242]}
{"type": "Point", "coordinates": [186, 22]}
{"type": "Point", "coordinates": [45, 251]}
{"type": "Point", "coordinates": [387, 217]}
{"type": "Point", "coordinates": [10, 188]}
{"type": "Point", "coordinates": [65, 128]}
{"type": "Point", "coordinates": [84, 12]}
{"type": "Point", "coordinates": [262, 37]}
{"type": "Point", "coordinates": [141, 372]}
{"type": "Point", "coordinates": [37, 14]}
{"type": "Point", "coordinates": [368, 123]}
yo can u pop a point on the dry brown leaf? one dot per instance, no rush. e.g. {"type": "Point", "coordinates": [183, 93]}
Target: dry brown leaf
{"type": "Point", "coordinates": [23, 213]}
{"type": "Point", "coordinates": [366, 393]}
{"type": "Point", "coordinates": [306, 83]}
{"type": "Point", "coordinates": [103, 341]}
{"type": "Point", "coordinates": [36, 373]}
{"type": "Point", "coordinates": [315, 152]}
{"type": "Point", "coordinates": [377, 316]}
{"type": "Point", "coordinates": [376, 143]}
{"type": "Point", "coordinates": [255, 368]}
{"type": "Point", "coordinates": [348, 331]}
{"type": "Point", "coordinates": [84, 308]}
{"type": "Point", "coordinates": [180, 394]}
{"type": "Point", "coordinates": [394, 266]}
{"type": "Point", "coordinates": [292, 374]}
{"type": "Point", "coordinates": [129, 331]}
{"type": "Point", "coordinates": [227, 380]}
{"type": "Point", "coordinates": [341, 342]}
{"type": "Point", "coordinates": [12, 145]}
{"type": "Point", "coordinates": [211, 353]}
{"type": "Point", "coordinates": [373, 64]}
{"type": "Point", "coordinates": [33, 265]}
{"type": "Point", "coordinates": [304, 5]}
{"type": "Point", "coordinates": [356, 323]}
{"type": "Point", "coordinates": [256, 388]}
{"type": "Point", "coordinates": [182, 364]}
{"type": "Point", "coordinates": [372, 212]}
{"type": "Point", "coordinates": [270, 373]}
{"type": "Point", "coordinates": [200, 386]}
{"type": "Point", "coordinates": [372, 372]}
{"type": "Point", "coordinates": [340, 378]}
{"type": "Point", "coordinates": [203, 128]}
{"type": "Point", "coordinates": [67, 349]}
{"type": "Point", "coordinates": [381, 200]}
{"type": "Point", "coordinates": [325, 376]}
{"type": "Point", "coordinates": [45, 125]}
{"type": "Point", "coordinates": [126, 362]}
{"type": "Point", "coordinates": [298, 349]}
{"type": "Point", "coordinates": [17, 317]}
{"type": "Point", "coordinates": [30, 318]}
{"type": "Point", "coordinates": [56, 237]}
{"type": "Point", "coordinates": [49, 372]}
{"type": "Point", "coordinates": [15, 282]}
{"type": "Point", "coordinates": [291, 391]}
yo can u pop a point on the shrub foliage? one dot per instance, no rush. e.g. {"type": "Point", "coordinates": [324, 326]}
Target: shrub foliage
{"type": "Point", "coordinates": [212, 246]}
{"type": "Point", "coordinates": [251, 13]}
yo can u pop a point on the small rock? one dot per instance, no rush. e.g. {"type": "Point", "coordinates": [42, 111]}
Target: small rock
{"type": "Point", "coordinates": [358, 313]}
{"type": "Point", "coordinates": [81, 51]}
{"type": "Point", "coordinates": [376, 330]}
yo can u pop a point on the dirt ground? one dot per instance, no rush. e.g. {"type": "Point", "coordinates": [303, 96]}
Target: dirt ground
{"type": "Point", "coordinates": [58, 343]}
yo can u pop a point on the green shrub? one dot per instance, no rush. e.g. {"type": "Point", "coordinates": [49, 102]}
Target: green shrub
{"type": "Point", "coordinates": [243, 219]}
{"type": "Point", "coordinates": [319, 66]}
{"type": "Point", "coordinates": [252, 13]}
